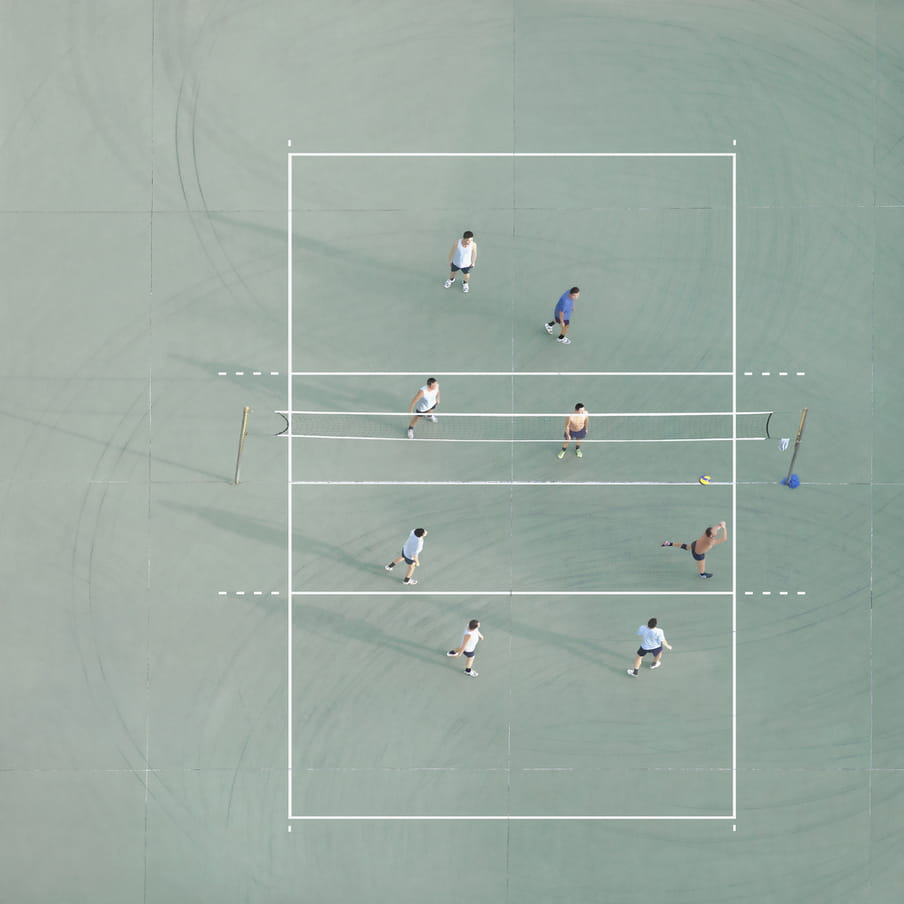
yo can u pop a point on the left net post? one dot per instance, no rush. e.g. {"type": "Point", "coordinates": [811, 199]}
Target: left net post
{"type": "Point", "coordinates": [242, 435]}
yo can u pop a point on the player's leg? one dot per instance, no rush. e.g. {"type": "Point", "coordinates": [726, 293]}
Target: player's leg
{"type": "Point", "coordinates": [452, 271]}
{"type": "Point", "coordinates": [469, 661]}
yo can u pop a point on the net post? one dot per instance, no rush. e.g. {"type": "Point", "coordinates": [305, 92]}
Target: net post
{"type": "Point", "coordinates": [800, 433]}
{"type": "Point", "coordinates": [242, 435]}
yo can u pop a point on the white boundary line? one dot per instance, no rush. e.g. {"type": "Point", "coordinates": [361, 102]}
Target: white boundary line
{"type": "Point", "coordinates": [408, 592]}
{"type": "Point", "coordinates": [458, 439]}
{"type": "Point", "coordinates": [508, 414]}
{"type": "Point", "coordinates": [501, 483]}
{"type": "Point", "coordinates": [289, 492]}
{"type": "Point", "coordinates": [291, 593]}
{"type": "Point", "coordinates": [734, 492]}
{"type": "Point", "coordinates": [512, 373]}
{"type": "Point", "coordinates": [511, 818]}
{"type": "Point", "coordinates": [509, 154]}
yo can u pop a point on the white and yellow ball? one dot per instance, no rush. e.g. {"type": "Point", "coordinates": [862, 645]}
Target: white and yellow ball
{"type": "Point", "coordinates": [705, 479]}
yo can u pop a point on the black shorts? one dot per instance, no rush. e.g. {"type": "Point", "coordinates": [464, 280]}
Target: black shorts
{"type": "Point", "coordinates": [455, 269]}
{"type": "Point", "coordinates": [698, 556]}
{"type": "Point", "coordinates": [642, 652]}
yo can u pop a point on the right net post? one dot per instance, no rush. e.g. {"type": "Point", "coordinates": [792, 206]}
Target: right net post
{"type": "Point", "coordinates": [800, 433]}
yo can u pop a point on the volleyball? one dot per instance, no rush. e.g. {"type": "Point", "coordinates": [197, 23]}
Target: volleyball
{"type": "Point", "coordinates": [704, 479]}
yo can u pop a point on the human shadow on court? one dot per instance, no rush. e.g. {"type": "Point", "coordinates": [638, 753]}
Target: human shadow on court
{"type": "Point", "coordinates": [579, 646]}
{"type": "Point", "coordinates": [331, 622]}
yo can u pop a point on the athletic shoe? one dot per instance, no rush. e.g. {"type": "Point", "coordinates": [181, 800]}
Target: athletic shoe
{"type": "Point", "coordinates": [656, 665]}
{"type": "Point", "coordinates": [409, 581]}
{"type": "Point", "coordinates": [451, 653]}
{"type": "Point", "coordinates": [548, 328]}
{"type": "Point", "coordinates": [579, 453]}
{"type": "Point", "coordinates": [472, 673]}
{"type": "Point", "coordinates": [564, 340]}
{"type": "Point", "coordinates": [448, 283]}
{"type": "Point", "coordinates": [431, 418]}
{"type": "Point", "coordinates": [706, 574]}
{"type": "Point", "coordinates": [411, 433]}
{"type": "Point", "coordinates": [561, 454]}
{"type": "Point", "coordinates": [390, 566]}
{"type": "Point", "coordinates": [465, 287]}
{"type": "Point", "coordinates": [632, 673]}
{"type": "Point", "coordinates": [667, 543]}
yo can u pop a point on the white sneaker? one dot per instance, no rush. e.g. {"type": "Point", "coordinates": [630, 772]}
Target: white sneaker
{"type": "Point", "coordinates": [465, 287]}
{"type": "Point", "coordinates": [409, 581]}
{"type": "Point", "coordinates": [448, 283]}
{"type": "Point", "coordinates": [656, 665]}
{"type": "Point", "coordinates": [632, 673]}
{"type": "Point", "coordinates": [389, 567]}
{"type": "Point", "coordinates": [548, 328]}
{"type": "Point", "coordinates": [472, 674]}
{"type": "Point", "coordinates": [431, 418]}
{"type": "Point", "coordinates": [411, 433]}
{"type": "Point", "coordinates": [451, 653]}
{"type": "Point", "coordinates": [564, 340]}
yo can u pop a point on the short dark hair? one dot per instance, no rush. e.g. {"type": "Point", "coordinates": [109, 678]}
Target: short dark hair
{"type": "Point", "coordinates": [419, 532]}
{"type": "Point", "coordinates": [467, 234]}
{"type": "Point", "coordinates": [473, 623]}
{"type": "Point", "coordinates": [652, 623]}
{"type": "Point", "coordinates": [431, 381]}
{"type": "Point", "coordinates": [709, 532]}
{"type": "Point", "coordinates": [578, 406]}
{"type": "Point", "coordinates": [573, 290]}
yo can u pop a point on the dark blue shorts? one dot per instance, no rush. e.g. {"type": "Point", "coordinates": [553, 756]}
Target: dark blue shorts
{"type": "Point", "coordinates": [698, 556]}
{"type": "Point", "coordinates": [470, 655]}
{"type": "Point", "coordinates": [455, 269]}
{"type": "Point", "coordinates": [407, 560]}
{"type": "Point", "coordinates": [577, 434]}
{"type": "Point", "coordinates": [642, 652]}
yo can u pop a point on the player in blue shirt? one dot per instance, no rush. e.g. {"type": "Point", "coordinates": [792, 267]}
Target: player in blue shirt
{"type": "Point", "coordinates": [562, 314]}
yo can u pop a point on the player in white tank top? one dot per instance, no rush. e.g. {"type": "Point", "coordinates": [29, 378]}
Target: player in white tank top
{"type": "Point", "coordinates": [424, 404]}
{"type": "Point", "coordinates": [462, 257]}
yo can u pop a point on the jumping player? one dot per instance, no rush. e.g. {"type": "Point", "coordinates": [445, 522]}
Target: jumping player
{"type": "Point", "coordinates": [699, 548]}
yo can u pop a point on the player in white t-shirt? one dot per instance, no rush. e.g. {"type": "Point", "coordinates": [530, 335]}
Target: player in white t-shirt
{"type": "Point", "coordinates": [468, 646]}
{"type": "Point", "coordinates": [652, 641]}
{"type": "Point", "coordinates": [424, 404]}
{"type": "Point", "coordinates": [462, 256]}
{"type": "Point", "coordinates": [411, 552]}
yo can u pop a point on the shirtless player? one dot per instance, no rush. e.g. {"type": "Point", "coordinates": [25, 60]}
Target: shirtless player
{"type": "Point", "coordinates": [576, 426]}
{"type": "Point", "coordinates": [699, 548]}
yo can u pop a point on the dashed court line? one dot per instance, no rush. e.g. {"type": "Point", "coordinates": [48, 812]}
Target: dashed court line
{"type": "Point", "coordinates": [775, 592]}
{"type": "Point", "coordinates": [243, 373]}
{"type": "Point", "coordinates": [248, 593]}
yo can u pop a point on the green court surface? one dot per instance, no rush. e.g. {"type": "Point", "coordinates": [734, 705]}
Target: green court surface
{"type": "Point", "coordinates": [215, 692]}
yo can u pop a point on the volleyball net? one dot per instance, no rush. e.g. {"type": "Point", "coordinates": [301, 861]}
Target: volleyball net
{"type": "Point", "coordinates": [605, 427]}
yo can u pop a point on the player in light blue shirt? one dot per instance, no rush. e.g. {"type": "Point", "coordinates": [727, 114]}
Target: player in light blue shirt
{"type": "Point", "coordinates": [562, 314]}
{"type": "Point", "coordinates": [652, 640]}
